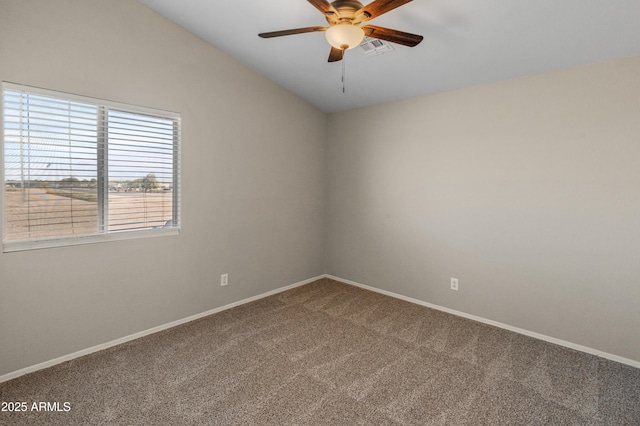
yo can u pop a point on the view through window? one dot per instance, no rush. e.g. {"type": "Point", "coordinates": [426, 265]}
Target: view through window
{"type": "Point", "coordinates": [77, 167]}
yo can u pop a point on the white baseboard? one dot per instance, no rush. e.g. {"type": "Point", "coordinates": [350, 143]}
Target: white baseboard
{"type": "Point", "coordinates": [172, 324]}
{"type": "Point", "coordinates": [535, 335]}
{"type": "Point", "coordinates": [153, 330]}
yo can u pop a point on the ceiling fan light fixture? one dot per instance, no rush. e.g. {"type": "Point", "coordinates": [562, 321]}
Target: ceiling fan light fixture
{"type": "Point", "coordinates": [346, 34]}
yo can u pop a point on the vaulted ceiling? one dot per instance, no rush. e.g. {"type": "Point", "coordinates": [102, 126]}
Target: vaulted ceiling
{"type": "Point", "coordinates": [466, 43]}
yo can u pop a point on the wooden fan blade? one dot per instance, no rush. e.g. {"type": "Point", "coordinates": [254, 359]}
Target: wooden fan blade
{"type": "Point", "coordinates": [393, 36]}
{"type": "Point", "coordinates": [336, 54]}
{"type": "Point", "coordinates": [378, 7]}
{"type": "Point", "coordinates": [291, 32]}
{"type": "Point", "coordinates": [323, 6]}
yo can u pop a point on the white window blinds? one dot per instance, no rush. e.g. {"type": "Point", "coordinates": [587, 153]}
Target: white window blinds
{"type": "Point", "coordinates": [80, 170]}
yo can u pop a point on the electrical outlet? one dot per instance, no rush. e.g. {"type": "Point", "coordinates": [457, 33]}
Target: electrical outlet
{"type": "Point", "coordinates": [454, 284]}
{"type": "Point", "coordinates": [224, 280]}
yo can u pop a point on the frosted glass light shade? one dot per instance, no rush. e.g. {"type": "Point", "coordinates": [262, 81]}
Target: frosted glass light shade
{"type": "Point", "coordinates": [344, 35]}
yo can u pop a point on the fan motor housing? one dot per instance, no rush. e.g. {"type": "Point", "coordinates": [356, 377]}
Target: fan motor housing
{"type": "Point", "coordinates": [351, 4]}
{"type": "Point", "coordinates": [346, 11]}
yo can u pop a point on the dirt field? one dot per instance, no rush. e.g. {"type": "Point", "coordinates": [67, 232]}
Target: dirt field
{"type": "Point", "coordinates": [40, 214]}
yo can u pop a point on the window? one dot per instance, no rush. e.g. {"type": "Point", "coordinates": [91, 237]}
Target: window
{"type": "Point", "coordinates": [80, 170]}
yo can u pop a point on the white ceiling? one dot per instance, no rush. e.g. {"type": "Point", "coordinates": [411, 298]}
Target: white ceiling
{"type": "Point", "coordinates": [466, 43]}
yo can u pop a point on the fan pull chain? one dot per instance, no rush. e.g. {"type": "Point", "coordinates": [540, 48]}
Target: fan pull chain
{"type": "Point", "coordinates": [344, 61]}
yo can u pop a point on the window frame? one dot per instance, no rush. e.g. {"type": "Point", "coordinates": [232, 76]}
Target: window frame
{"type": "Point", "coordinates": [100, 235]}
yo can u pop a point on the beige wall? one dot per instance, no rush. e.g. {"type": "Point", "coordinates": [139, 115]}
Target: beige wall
{"type": "Point", "coordinates": [253, 188]}
{"type": "Point", "coordinates": [527, 191]}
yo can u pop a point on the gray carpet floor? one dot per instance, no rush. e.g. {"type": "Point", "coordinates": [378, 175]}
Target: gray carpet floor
{"type": "Point", "coordinates": [331, 354]}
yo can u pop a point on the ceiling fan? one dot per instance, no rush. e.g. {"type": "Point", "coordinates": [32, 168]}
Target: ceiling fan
{"type": "Point", "coordinates": [344, 31]}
